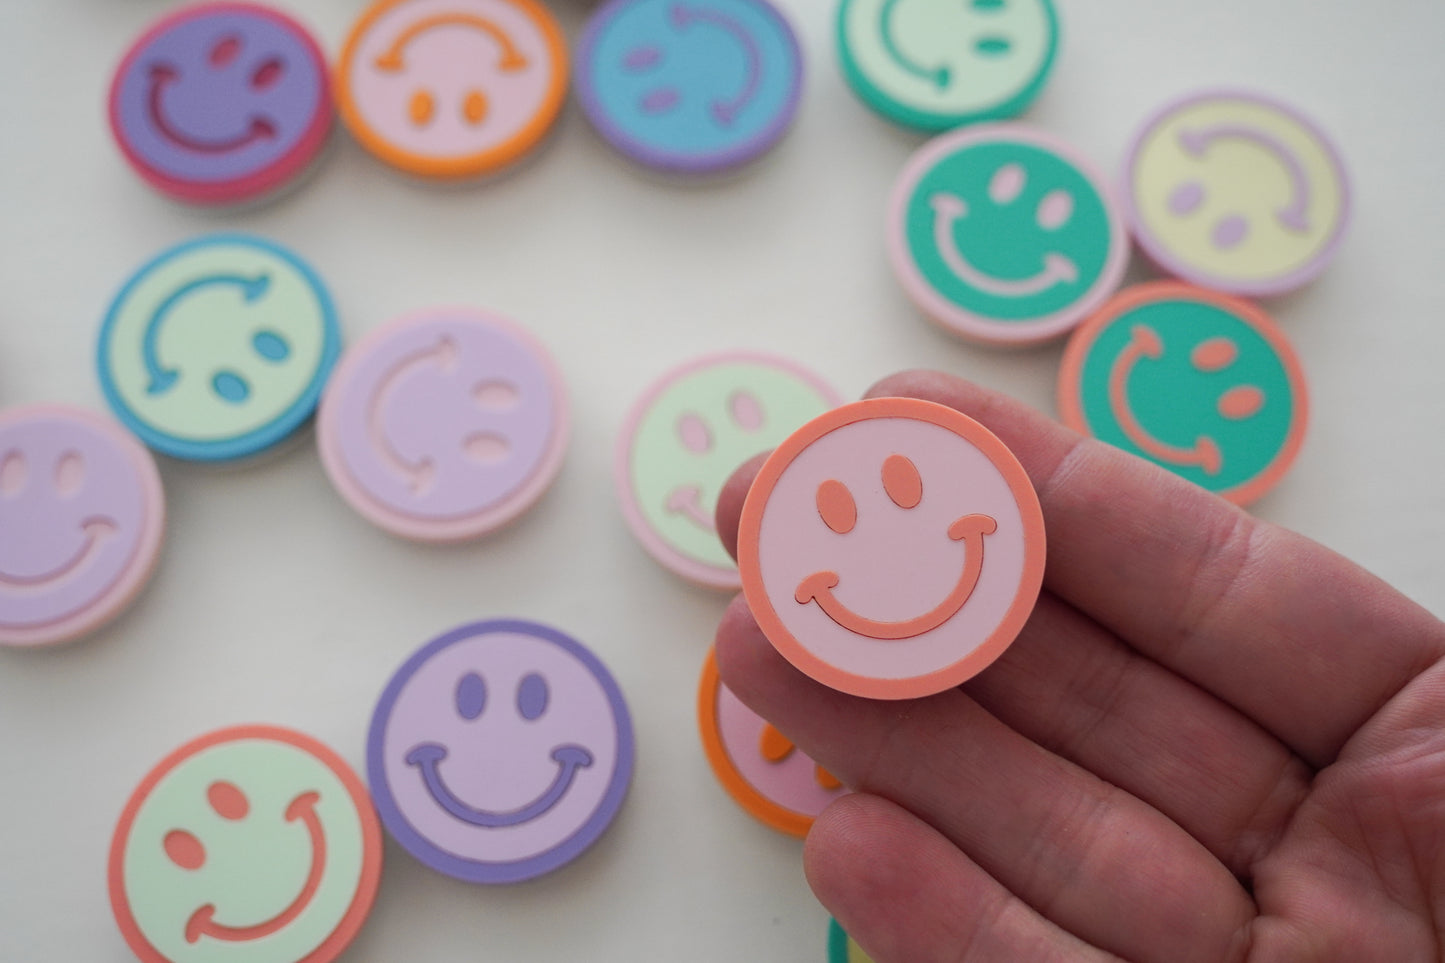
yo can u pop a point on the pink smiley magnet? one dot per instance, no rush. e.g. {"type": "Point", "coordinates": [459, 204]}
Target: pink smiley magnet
{"type": "Point", "coordinates": [81, 520]}
{"type": "Point", "coordinates": [891, 548]}
{"type": "Point", "coordinates": [444, 425]}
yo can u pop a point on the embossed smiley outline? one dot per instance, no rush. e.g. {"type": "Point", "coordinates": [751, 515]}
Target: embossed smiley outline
{"type": "Point", "coordinates": [69, 478]}
{"type": "Point", "coordinates": [681, 16]}
{"type": "Point", "coordinates": [222, 54]}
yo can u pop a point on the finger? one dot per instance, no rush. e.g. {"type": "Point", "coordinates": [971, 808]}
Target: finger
{"type": "Point", "coordinates": [905, 894]}
{"type": "Point", "coordinates": [1301, 640]}
{"type": "Point", "coordinates": [1094, 860]}
{"type": "Point", "coordinates": [1074, 689]}
{"type": "Point", "coordinates": [730, 502]}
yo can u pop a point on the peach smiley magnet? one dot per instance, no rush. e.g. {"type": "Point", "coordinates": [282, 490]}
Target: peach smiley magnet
{"type": "Point", "coordinates": [891, 548]}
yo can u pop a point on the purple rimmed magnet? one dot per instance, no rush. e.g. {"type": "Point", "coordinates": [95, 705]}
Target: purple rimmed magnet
{"type": "Point", "coordinates": [444, 425]}
{"type": "Point", "coordinates": [499, 751]}
{"type": "Point", "coordinates": [690, 87]}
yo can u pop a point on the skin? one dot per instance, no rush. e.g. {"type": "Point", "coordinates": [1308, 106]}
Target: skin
{"type": "Point", "coordinates": [1214, 740]}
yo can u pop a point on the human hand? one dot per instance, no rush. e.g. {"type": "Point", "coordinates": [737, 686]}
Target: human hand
{"type": "Point", "coordinates": [1213, 740]}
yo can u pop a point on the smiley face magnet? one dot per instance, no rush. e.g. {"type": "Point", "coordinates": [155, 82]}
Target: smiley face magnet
{"type": "Point", "coordinates": [1236, 192]}
{"type": "Point", "coordinates": [937, 64]}
{"type": "Point", "coordinates": [217, 349]}
{"type": "Point", "coordinates": [444, 425]}
{"type": "Point", "coordinates": [891, 548]}
{"type": "Point", "coordinates": [500, 751]}
{"type": "Point", "coordinates": [255, 844]}
{"type": "Point", "coordinates": [1002, 233]}
{"type": "Point", "coordinates": [452, 88]}
{"type": "Point", "coordinates": [81, 521]}
{"type": "Point", "coordinates": [1197, 382]}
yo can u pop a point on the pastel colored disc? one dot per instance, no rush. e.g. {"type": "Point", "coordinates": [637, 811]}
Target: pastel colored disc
{"type": "Point", "coordinates": [690, 86]}
{"type": "Point", "coordinates": [220, 103]}
{"type": "Point", "coordinates": [1004, 234]}
{"type": "Point", "coordinates": [452, 88]}
{"type": "Point", "coordinates": [936, 64]}
{"type": "Point", "coordinates": [891, 548]}
{"type": "Point", "coordinates": [760, 768]}
{"type": "Point", "coordinates": [688, 433]}
{"type": "Point", "coordinates": [82, 515]}
{"type": "Point", "coordinates": [841, 948]}
{"type": "Point", "coordinates": [1236, 192]}
{"type": "Point", "coordinates": [444, 425]}
{"type": "Point", "coordinates": [1202, 383]}
{"type": "Point", "coordinates": [500, 751]}
{"type": "Point", "coordinates": [218, 348]}
{"type": "Point", "coordinates": [255, 844]}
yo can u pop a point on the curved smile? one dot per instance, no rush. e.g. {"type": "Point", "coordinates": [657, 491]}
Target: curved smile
{"type": "Point", "coordinates": [947, 210]}
{"type": "Point", "coordinates": [201, 923]}
{"type": "Point", "coordinates": [258, 129]}
{"type": "Point", "coordinates": [96, 530]}
{"type": "Point", "coordinates": [1144, 342]}
{"type": "Point", "coordinates": [428, 755]}
{"type": "Point", "coordinates": [686, 500]}
{"type": "Point", "coordinates": [970, 529]}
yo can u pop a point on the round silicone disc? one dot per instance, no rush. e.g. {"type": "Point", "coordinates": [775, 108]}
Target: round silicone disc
{"type": "Point", "coordinates": [220, 103]}
{"type": "Point", "coordinates": [1201, 383]}
{"type": "Point", "coordinates": [452, 88]}
{"type": "Point", "coordinates": [936, 64]}
{"type": "Point", "coordinates": [891, 548]}
{"type": "Point", "coordinates": [841, 948]}
{"type": "Point", "coordinates": [1236, 192]}
{"type": "Point", "coordinates": [444, 425]}
{"type": "Point", "coordinates": [690, 86]}
{"type": "Point", "coordinates": [81, 520]}
{"type": "Point", "coordinates": [1003, 233]}
{"type": "Point", "coordinates": [218, 348]}
{"type": "Point", "coordinates": [255, 844]}
{"type": "Point", "coordinates": [499, 751]}
{"type": "Point", "coordinates": [759, 767]}
{"type": "Point", "coordinates": [688, 433]}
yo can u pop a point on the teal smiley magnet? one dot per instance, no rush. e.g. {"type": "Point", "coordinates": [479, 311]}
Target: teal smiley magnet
{"type": "Point", "coordinates": [218, 348]}
{"type": "Point", "coordinates": [936, 64]}
{"type": "Point", "coordinates": [1202, 383]}
{"type": "Point", "coordinates": [1003, 233]}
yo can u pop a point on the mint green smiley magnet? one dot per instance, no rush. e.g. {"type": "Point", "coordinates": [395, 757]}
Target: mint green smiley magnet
{"type": "Point", "coordinates": [1002, 233]}
{"type": "Point", "coordinates": [936, 64]}
{"type": "Point", "coordinates": [218, 348]}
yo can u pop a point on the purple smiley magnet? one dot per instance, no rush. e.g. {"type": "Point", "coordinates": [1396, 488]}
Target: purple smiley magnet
{"type": "Point", "coordinates": [444, 425]}
{"type": "Point", "coordinates": [81, 519]}
{"type": "Point", "coordinates": [499, 751]}
{"type": "Point", "coordinates": [220, 103]}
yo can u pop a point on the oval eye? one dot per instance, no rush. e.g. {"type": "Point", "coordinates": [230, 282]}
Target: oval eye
{"type": "Point", "coordinates": [1241, 402]}
{"type": "Point", "coordinates": [642, 58]}
{"type": "Point", "coordinates": [231, 386]}
{"type": "Point", "coordinates": [1229, 232]}
{"type": "Point", "coordinates": [184, 849]}
{"type": "Point", "coordinates": [224, 51]}
{"type": "Point", "coordinates": [1055, 209]}
{"type": "Point", "coordinates": [270, 345]}
{"type": "Point", "coordinates": [496, 395]}
{"type": "Point", "coordinates": [12, 473]}
{"type": "Point", "coordinates": [1007, 183]}
{"type": "Point", "coordinates": [746, 411]}
{"type": "Point", "coordinates": [532, 696]}
{"type": "Point", "coordinates": [774, 746]}
{"type": "Point", "coordinates": [69, 473]}
{"type": "Point", "coordinates": [1186, 198]}
{"type": "Point", "coordinates": [471, 696]}
{"type": "Point", "coordinates": [266, 75]}
{"type": "Point", "coordinates": [227, 800]}
{"type": "Point", "coordinates": [692, 432]}
{"type": "Point", "coordinates": [836, 506]}
{"type": "Point", "coordinates": [487, 448]}
{"type": "Point", "coordinates": [421, 107]}
{"type": "Point", "coordinates": [475, 107]}
{"type": "Point", "coordinates": [901, 481]}
{"type": "Point", "coordinates": [1214, 354]}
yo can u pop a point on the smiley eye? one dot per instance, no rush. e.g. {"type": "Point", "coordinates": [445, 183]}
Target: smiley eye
{"type": "Point", "coordinates": [1007, 184]}
{"type": "Point", "coordinates": [1055, 209]}
{"type": "Point", "coordinates": [12, 473]}
{"type": "Point", "coordinates": [496, 395]}
{"type": "Point", "coordinates": [69, 473]}
{"type": "Point", "coordinates": [487, 448]}
{"type": "Point", "coordinates": [1214, 354]}
{"type": "Point", "coordinates": [693, 433]}
{"type": "Point", "coordinates": [988, 6]}
{"type": "Point", "coordinates": [227, 800]}
{"type": "Point", "coordinates": [993, 46]}
{"type": "Point", "coordinates": [266, 75]}
{"type": "Point", "coordinates": [475, 107]}
{"type": "Point", "coordinates": [1186, 198]}
{"type": "Point", "coordinates": [642, 58]}
{"type": "Point", "coordinates": [902, 482]}
{"type": "Point", "coordinates": [825, 779]}
{"type": "Point", "coordinates": [224, 51]}
{"type": "Point", "coordinates": [184, 849]}
{"type": "Point", "coordinates": [1240, 402]}
{"type": "Point", "coordinates": [746, 411]}
{"type": "Point", "coordinates": [231, 387]}
{"type": "Point", "coordinates": [532, 696]}
{"type": "Point", "coordinates": [270, 345]}
{"type": "Point", "coordinates": [836, 506]}
{"type": "Point", "coordinates": [660, 100]}
{"type": "Point", "coordinates": [421, 107]}
{"type": "Point", "coordinates": [1229, 232]}
{"type": "Point", "coordinates": [774, 746]}
{"type": "Point", "coordinates": [471, 696]}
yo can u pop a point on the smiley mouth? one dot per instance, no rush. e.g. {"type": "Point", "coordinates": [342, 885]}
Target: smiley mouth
{"type": "Point", "coordinates": [428, 755]}
{"type": "Point", "coordinates": [947, 210]}
{"type": "Point", "coordinates": [969, 529]}
{"type": "Point", "coordinates": [259, 129]}
{"type": "Point", "coordinates": [96, 531]}
{"type": "Point", "coordinates": [686, 500]}
{"type": "Point", "coordinates": [202, 922]}
{"type": "Point", "coordinates": [1145, 343]}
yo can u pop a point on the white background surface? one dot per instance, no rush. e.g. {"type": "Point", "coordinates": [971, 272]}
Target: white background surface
{"type": "Point", "coordinates": [275, 603]}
